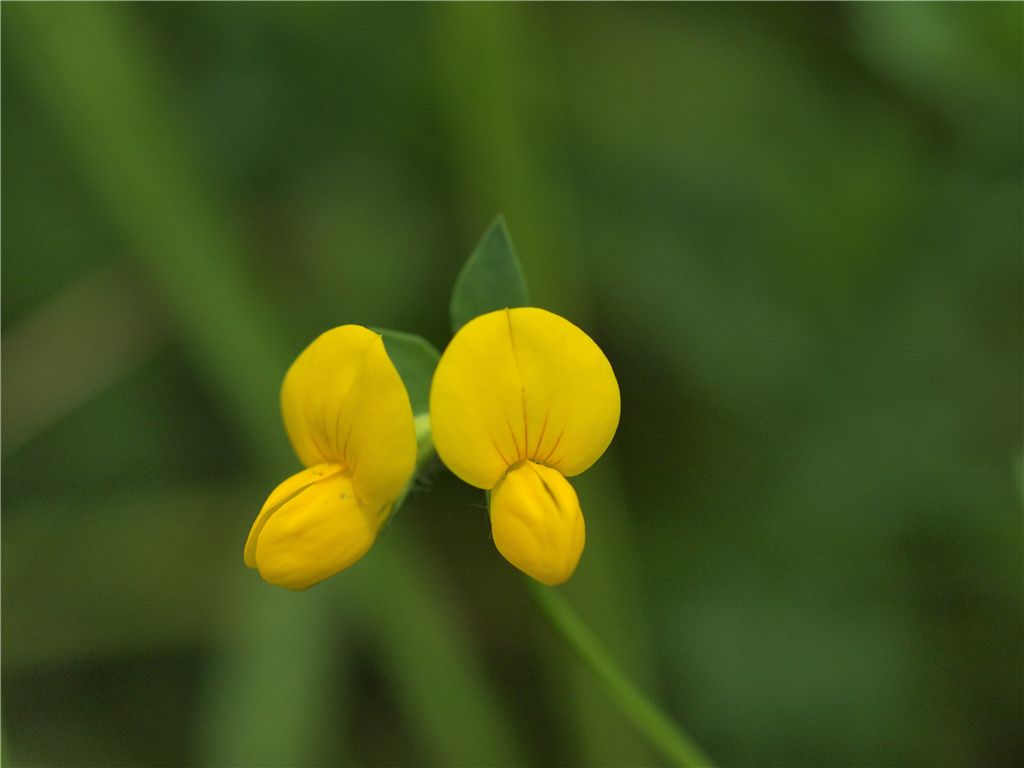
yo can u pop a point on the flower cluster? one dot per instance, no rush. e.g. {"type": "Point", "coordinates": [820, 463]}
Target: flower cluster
{"type": "Point", "coordinates": [521, 400]}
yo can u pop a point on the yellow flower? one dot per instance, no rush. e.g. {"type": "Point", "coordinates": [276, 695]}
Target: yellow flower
{"type": "Point", "coordinates": [520, 400]}
{"type": "Point", "coordinates": [348, 417]}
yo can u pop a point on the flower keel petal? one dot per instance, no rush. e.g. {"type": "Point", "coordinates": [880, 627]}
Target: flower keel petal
{"type": "Point", "coordinates": [537, 523]}
{"type": "Point", "coordinates": [285, 492]}
{"type": "Point", "coordinates": [315, 533]}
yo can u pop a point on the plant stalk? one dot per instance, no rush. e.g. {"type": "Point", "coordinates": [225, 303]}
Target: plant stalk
{"type": "Point", "coordinates": [664, 734]}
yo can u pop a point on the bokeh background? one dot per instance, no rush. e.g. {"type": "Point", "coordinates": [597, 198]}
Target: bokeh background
{"type": "Point", "coordinates": [795, 230]}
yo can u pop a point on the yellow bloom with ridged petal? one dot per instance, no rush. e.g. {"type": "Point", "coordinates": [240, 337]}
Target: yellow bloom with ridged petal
{"type": "Point", "coordinates": [522, 399]}
{"type": "Point", "coordinates": [348, 417]}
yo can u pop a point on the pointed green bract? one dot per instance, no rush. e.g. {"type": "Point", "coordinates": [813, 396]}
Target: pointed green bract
{"type": "Point", "coordinates": [415, 359]}
{"type": "Point", "coordinates": [491, 279]}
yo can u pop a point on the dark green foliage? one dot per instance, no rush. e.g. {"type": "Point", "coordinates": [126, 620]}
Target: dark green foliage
{"type": "Point", "coordinates": [492, 278]}
{"type": "Point", "coordinates": [415, 358]}
{"type": "Point", "coordinates": [795, 230]}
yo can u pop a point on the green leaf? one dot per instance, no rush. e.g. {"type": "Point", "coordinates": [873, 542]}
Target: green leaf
{"type": "Point", "coordinates": [415, 358]}
{"type": "Point", "coordinates": [491, 279]}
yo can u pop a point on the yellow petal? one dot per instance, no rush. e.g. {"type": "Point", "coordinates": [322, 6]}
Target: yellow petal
{"type": "Point", "coordinates": [312, 526]}
{"type": "Point", "coordinates": [537, 523]}
{"type": "Point", "coordinates": [344, 403]}
{"type": "Point", "coordinates": [286, 491]}
{"type": "Point", "coordinates": [314, 388]}
{"type": "Point", "coordinates": [522, 384]}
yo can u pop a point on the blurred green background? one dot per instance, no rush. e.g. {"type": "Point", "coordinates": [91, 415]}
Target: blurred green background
{"type": "Point", "coordinates": [795, 230]}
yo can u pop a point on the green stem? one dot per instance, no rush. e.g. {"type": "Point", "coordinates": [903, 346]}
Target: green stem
{"type": "Point", "coordinates": [651, 721]}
